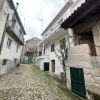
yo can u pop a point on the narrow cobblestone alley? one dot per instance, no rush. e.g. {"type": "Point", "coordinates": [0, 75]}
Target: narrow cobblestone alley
{"type": "Point", "coordinates": [23, 83]}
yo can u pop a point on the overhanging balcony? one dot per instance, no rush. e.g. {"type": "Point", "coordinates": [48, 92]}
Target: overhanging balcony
{"type": "Point", "coordinates": [54, 35]}
{"type": "Point", "coordinates": [14, 32]}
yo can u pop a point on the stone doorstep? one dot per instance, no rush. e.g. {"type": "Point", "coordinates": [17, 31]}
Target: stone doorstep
{"type": "Point", "coordinates": [93, 89]}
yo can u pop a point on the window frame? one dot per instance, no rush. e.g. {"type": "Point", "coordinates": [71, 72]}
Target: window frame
{"type": "Point", "coordinates": [52, 47]}
{"type": "Point", "coordinates": [9, 43]}
{"type": "Point", "coordinates": [17, 48]}
{"type": "Point", "coordinates": [4, 62]}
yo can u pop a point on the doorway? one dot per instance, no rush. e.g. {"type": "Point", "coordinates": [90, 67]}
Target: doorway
{"type": "Point", "coordinates": [78, 82]}
{"type": "Point", "coordinates": [46, 66]}
{"type": "Point", "coordinates": [53, 65]}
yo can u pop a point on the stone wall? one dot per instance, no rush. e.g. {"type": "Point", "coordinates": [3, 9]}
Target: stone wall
{"type": "Point", "coordinates": [96, 35]}
{"type": "Point", "coordinates": [79, 57]}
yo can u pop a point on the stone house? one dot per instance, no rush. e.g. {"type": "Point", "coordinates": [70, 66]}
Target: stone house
{"type": "Point", "coordinates": [83, 65]}
{"type": "Point", "coordinates": [30, 50]}
{"type": "Point", "coordinates": [11, 36]}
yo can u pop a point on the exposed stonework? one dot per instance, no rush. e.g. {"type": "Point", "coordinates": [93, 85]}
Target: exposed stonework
{"type": "Point", "coordinates": [79, 57]}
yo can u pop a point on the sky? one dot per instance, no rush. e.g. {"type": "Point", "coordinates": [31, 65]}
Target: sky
{"type": "Point", "coordinates": [37, 14]}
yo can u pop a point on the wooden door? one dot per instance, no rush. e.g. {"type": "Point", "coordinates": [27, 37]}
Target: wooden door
{"type": "Point", "coordinates": [53, 65]}
{"type": "Point", "coordinates": [78, 82]}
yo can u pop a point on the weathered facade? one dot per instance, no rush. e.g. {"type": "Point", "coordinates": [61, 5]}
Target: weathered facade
{"type": "Point", "coordinates": [83, 65]}
{"type": "Point", "coordinates": [11, 36]}
{"type": "Point", "coordinates": [81, 30]}
{"type": "Point", "coordinates": [30, 51]}
{"type": "Point", "coordinates": [53, 40]}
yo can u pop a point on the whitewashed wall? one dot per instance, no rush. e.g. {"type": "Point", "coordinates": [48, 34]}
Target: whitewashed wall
{"type": "Point", "coordinates": [52, 56]}
{"type": "Point", "coordinates": [3, 16]}
{"type": "Point", "coordinates": [10, 53]}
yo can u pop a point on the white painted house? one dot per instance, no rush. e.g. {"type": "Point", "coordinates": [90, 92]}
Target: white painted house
{"type": "Point", "coordinates": [11, 36]}
{"type": "Point", "coordinates": [53, 40]}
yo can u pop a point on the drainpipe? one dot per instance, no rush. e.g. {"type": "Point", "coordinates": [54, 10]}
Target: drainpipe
{"type": "Point", "coordinates": [43, 49]}
{"type": "Point", "coordinates": [68, 37]}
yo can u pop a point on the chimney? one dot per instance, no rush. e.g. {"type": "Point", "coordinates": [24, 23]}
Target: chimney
{"type": "Point", "coordinates": [17, 4]}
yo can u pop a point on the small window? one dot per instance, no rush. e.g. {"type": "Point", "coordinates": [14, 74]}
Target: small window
{"type": "Point", "coordinates": [62, 43]}
{"type": "Point", "coordinates": [17, 48]}
{"type": "Point", "coordinates": [40, 53]}
{"type": "Point", "coordinates": [52, 47]}
{"type": "Point", "coordinates": [9, 42]}
{"type": "Point", "coordinates": [4, 62]}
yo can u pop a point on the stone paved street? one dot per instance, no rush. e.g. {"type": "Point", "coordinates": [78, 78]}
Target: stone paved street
{"type": "Point", "coordinates": [23, 83]}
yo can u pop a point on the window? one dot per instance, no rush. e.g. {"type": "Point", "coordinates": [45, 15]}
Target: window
{"type": "Point", "coordinates": [52, 47]}
{"type": "Point", "coordinates": [9, 42]}
{"type": "Point", "coordinates": [4, 62]}
{"type": "Point", "coordinates": [17, 48]}
{"type": "Point", "coordinates": [40, 53]}
{"type": "Point", "coordinates": [62, 43]}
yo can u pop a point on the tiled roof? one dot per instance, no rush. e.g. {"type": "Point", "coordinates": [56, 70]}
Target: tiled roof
{"type": "Point", "coordinates": [81, 11]}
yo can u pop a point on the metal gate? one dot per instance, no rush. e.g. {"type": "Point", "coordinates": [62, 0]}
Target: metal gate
{"type": "Point", "coordinates": [77, 81]}
{"type": "Point", "coordinates": [46, 66]}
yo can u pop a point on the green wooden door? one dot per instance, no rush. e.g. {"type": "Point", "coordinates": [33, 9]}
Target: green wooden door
{"type": "Point", "coordinates": [29, 60]}
{"type": "Point", "coordinates": [77, 81]}
{"type": "Point", "coordinates": [46, 66]}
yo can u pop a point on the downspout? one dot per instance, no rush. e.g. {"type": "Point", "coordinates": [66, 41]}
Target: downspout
{"type": "Point", "coordinates": [68, 38]}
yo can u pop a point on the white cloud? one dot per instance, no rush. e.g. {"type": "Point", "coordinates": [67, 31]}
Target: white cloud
{"type": "Point", "coordinates": [31, 11]}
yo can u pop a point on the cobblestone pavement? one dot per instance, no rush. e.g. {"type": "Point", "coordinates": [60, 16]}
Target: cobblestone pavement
{"type": "Point", "coordinates": [24, 84]}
